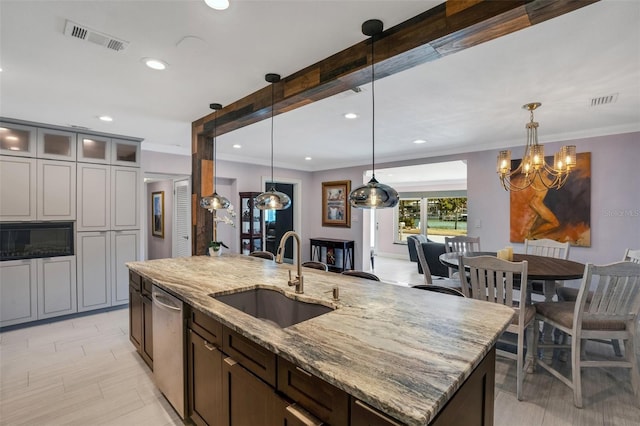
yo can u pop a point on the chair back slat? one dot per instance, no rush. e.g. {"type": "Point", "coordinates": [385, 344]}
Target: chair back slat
{"type": "Point", "coordinates": [631, 256]}
{"type": "Point", "coordinates": [491, 279]}
{"type": "Point", "coordinates": [617, 292]}
{"type": "Point", "coordinates": [461, 244]}
{"type": "Point", "coordinates": [546, 247]}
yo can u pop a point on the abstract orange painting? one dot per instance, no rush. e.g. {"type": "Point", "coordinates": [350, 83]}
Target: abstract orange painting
{"type": "Point", "coordinates": [561, 215]}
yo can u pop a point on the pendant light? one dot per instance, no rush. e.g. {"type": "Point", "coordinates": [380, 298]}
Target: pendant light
{"type": "Point", "coordinates": [373, 195]}
{"type": "Point", "coordinates": [272, 199]}
{"type": "Point", "coordinates": [214, 201]}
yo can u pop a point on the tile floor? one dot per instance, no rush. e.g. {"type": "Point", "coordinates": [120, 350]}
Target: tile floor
{"type": "Point", "coordinates": [84, 371]}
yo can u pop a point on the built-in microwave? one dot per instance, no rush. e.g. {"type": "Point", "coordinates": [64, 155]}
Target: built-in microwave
{"type": "Point", "coordinates": [31, 240]}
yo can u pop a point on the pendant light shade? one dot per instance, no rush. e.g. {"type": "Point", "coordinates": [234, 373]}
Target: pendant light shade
{"type": "Point", "coordinates": [272, 199]}
{"type": "Point", "coordinates": [373, 195]}
{"type": "Point", "coordinates": [214, 201]}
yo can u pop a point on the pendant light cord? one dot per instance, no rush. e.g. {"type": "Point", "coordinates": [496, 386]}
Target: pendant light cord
{"type": "Point", "coordinates": [373, 111]}
{"type": "Point", "coordinates": [215, 148]}
{"type": "Point", "coordinates": [272, 107]}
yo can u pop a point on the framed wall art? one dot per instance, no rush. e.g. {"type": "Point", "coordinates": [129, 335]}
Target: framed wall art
{"type": "Point", "coordinates": [336, 210]}
{"type": "Point", "coordinates": [559, 214]}
{"type": "Point", "coordinates": [157, 214]}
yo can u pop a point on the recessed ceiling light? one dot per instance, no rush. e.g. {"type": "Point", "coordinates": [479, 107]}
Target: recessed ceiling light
{"type": "Point", "coordinates": [155, 64]}
{"type": "Point", "coordinates": [217, 4]}
{"type": "Point", "coordinates": [419, 141]}
{"type": "Point", "coordinates": [307, 158]}
{"type": "Point", "coordinates": [105, 118]}
{"type": "Point", "coordinates": [237, 146]}
{"type": "Point", "coordinates": [351, 115]}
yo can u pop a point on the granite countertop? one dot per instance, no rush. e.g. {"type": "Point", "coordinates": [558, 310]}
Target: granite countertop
{"type": "Point", "coordinates": [404, 351]}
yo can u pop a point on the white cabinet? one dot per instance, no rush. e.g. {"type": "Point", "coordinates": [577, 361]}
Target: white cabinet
{"type": "Point", "coordinates": [124, 248]}
{"type": "Point", "coordinates": [56, 286]}
{"type": "Point", "coordinates": [103, 278]}
{"type": "Point", "coordinates": [94, 149]}
{"type": "Point", "coordinates": [125, 153]}
{"type": "Point", "coordinates": [124, 198]}
{"type": "Point", "coordinates": [94, 196]}
{"type": "Point", "coordinates": [18, 292]}
{"type": "Point", "coordinates": [94, 270]}
{"type": "Point", "coordinates": [17, 188]}
{"type": "Point", "coordinates": [17, 140]}
{"type": "Point", "coordinates": [56, 144]}
{"type": "Point", "coordinates": [56, 190]}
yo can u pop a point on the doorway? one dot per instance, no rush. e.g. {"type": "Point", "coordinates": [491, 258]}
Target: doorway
{"type": "Point", "coordinates": [277, 222]}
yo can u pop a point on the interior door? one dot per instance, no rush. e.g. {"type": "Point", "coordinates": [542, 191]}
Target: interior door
{"type": "Point", "coordinates": [182, 218]}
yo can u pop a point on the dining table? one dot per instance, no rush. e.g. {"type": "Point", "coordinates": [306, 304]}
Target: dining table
{"type": "Point", "coordinates": [549, 270]}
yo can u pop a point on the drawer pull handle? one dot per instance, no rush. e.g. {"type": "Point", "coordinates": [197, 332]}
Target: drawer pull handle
{"type": "Point", "coordinates": [375, 413]}
{"type": "Point", "coordinates": [230, 361]}
{"type": "Point", "coordinates": [209, 346]}
{"type": "Point", "coordinates": [306, 373]}
{"type": "Point", "coordinates": [305, 418]}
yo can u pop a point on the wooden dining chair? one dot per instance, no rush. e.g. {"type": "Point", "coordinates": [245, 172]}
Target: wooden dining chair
{"type": "Point", "coordinates": [611, 314]}
{"type": "Point", "coordinates": [491, 279]}
{"type": "Point", "coordinates": [439, 289]}
{"type": "Point", "coordinates": [263, 254]}
{"type": "Point", "coordinates": [316, 265]}
{"type": "Point", "coordinates": [460, 244]}
{"type": "Point", "coordinates": [426, 271]}
{"type": "Point", "coordinates": [361, 274]}
{"type": "Point", "coordinates": [547, 248]}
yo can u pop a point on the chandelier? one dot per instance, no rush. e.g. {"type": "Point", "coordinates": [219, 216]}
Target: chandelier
{"type": "Point", "coordinates": [533, 171]}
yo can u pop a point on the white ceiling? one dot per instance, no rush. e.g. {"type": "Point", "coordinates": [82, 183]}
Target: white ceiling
{"type": "Point", "coordinates": [467, 101]}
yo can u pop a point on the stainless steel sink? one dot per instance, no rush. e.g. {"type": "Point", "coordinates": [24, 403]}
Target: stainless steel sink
{"type": "Point", "coordinates": [272, 306]}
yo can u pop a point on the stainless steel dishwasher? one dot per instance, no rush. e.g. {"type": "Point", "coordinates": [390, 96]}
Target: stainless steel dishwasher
{"type": "Point", "coordinates": [168, 347]}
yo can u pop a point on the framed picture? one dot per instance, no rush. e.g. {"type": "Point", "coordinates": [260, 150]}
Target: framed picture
{"type": "Point", "coordinates": [157, 214]}
{"type": "Point", "coordinates": [335, 204]}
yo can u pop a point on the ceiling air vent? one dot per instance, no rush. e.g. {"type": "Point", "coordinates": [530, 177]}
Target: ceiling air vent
{"type": "Point", "coordinates": [603, 100]}
{"type": "Point", "coordinates": [81, 32]}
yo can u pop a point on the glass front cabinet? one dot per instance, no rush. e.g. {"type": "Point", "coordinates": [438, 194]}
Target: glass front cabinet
{"type": "Point", "coordinates": [250, 224]}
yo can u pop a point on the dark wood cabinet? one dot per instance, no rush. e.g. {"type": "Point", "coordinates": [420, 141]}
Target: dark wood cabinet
{"type": "Point", "coordinates": [204, 370]}
{"type": "Point", "coordinates": [322, 400]}
{"type": "Point", "coordinates": [141, 317]}
{"type": "Point", "coordinates": [365, 415]}
{"type": "Point", "coordinates": [337, 254]}
{"type": "Point", "coordinates": [247, 400]}
{"type": "Point", "coordinates": [135, 311]}
{"type": "Point", "coordinates": [250, 224]}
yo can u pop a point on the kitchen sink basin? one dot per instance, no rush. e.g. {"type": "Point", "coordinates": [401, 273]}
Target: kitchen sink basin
{"type": "Point", "coordinates": [272, 306]}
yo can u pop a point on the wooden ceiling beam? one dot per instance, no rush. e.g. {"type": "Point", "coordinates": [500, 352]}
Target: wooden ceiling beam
{"type": "Point", "coordinates": [448, 28]}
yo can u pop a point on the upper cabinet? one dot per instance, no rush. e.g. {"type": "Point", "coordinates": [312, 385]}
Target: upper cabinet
{"type": "Point", "coordinates": [125, 153]}
{"type": "Point", "coordinates": [56, 144]}
{"type": "Point", "coordinates": [17, 140]}
{"type": "Point", "coordinates": [96, 149]}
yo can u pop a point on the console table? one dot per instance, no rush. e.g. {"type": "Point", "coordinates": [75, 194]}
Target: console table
{"type": "Point", "coordinates": [337, 254]}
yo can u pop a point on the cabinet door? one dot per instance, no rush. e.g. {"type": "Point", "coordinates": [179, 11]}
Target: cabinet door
{"type": "Point", "coordinates": [94, 188]}
{"type": "Point", "coordinates": [17, 140]}
{"type": "Point", "coordinates": [125, 153]}
{"type": "Point", "coordinates": [364, 415]}
{"type": "Point", "coordinates": [204, 381]}
{"type": "Point", "coordinates": [94, 149]}
{"type": "Point", "coordinates": [246, 400]}
{"type": "Point", "coordinates": [124, 198]}
{"type": "Point", "coordinates": [135, 316]}
{"type": "Point", "coordinates": [56, 144]}
{"type": "Point", "coordinates": [146, 347]}
{"type": "Point", "coordinates": [124, 248]}
{"type": "Point", "coordinates": [56, 286]}
{"type": "Point", "coordinates": [18, 292]}
{"type": "Point", "coordinates": [56, 190]}
{"type": "Point", "coordinates": [17, 189]}
{"type": "Point", "coordinates": [94, 270]}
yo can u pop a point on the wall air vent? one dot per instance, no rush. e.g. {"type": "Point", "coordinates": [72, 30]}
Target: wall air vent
{"type": "Point", "coordinates": [81, 32]}
{"type": "Point", "coordinates": [603, 100]}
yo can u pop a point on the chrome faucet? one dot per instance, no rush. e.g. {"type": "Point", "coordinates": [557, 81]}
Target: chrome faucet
{"type": "Point", "coordinates": [298, 281]}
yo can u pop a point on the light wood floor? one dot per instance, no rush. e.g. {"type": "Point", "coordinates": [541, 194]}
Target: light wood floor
{"type": "Point", "coordinates": [84, 371]}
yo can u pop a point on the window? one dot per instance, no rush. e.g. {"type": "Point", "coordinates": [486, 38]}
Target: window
{"type": "Point", "coordinates": [435, 217]}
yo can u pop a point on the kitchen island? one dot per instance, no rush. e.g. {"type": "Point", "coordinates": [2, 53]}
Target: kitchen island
{"type": "Point", "coordinates": [402, 351]}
